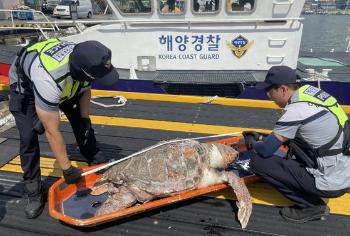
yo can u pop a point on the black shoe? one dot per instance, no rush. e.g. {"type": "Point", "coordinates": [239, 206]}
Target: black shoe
{"type": "Point", "coordinates": [99, 158]}
{"type": "Point", "coordinates": [301, 215]}
{"type": "Point", "coordinates": [34, 198]}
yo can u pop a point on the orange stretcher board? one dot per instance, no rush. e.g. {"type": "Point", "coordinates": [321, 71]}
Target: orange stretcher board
{"type": "Point", "coordinates": [60, 192]}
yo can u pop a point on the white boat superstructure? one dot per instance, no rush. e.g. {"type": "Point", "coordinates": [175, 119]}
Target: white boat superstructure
{"type": "Point", "coordinates": [348, 40]}
{"type": "Point", "coordinates": [226, 35]}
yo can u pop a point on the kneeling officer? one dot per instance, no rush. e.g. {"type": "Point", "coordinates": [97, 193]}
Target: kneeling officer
{"type": "Point", "coordinates": [45, 77]}
{"type": "Point", "coordinates": [316, 130]}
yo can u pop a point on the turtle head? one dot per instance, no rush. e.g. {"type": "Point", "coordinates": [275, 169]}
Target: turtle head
{"type": "Point", "coordinates": [221, 155]}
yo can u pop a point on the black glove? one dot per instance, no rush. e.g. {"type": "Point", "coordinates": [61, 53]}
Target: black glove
{"type": "Point", "coordinates": [250, 137]}
{"type": "Point", "coordinates": [72, 175]}
{"type": "Point", "coordinates": [38, 126]}
{"type": "Point", "coordinates": [86, 122]}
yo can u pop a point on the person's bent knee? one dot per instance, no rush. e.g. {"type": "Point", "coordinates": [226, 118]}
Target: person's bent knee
{"type": "Point", "coordinates": [256, 164]}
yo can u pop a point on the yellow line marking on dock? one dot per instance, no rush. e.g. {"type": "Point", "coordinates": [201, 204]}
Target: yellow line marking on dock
{"type": "Point", "coordinates": [167, 125]}
{"type": "Point", "coordinates": [261, 192]}
{"type": "Point", "coordinates": [48, 166]}
{"type": "Point", "coordinates": [187, 99]}
{"type": "Point", "coordinates": [194, 99]}
{"type": "Point", "coordinates": [264, 194]}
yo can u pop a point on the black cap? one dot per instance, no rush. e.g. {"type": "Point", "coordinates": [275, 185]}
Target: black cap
{"type": "Point", "coordinates": [279, 75]}
{"type": "Point", "coordinates": [93, 59]}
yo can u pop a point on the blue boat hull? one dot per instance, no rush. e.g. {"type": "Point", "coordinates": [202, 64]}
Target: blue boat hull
{"type": "Point", "coordinates": [340, 90]}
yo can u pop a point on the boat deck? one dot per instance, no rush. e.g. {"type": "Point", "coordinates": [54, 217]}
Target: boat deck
{"type": "Point", "coordinates": [337, 62]}
{"type": "Point", "coordinates": [143, 121]}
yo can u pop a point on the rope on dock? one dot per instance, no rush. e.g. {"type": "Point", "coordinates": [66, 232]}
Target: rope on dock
{"type": "Point", "coordinates": [120, 101]}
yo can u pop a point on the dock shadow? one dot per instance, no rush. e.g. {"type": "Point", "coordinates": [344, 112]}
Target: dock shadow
{"type": "Point", "coordinates": [147, 214]}
{"type": "Point", "coordinates": [108, 150]}
{"type": "Point", "coordinates": [3, 208]}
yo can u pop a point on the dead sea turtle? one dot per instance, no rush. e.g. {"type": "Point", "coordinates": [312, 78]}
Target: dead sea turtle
{"type": "Point", "coordinates": [169, 170]}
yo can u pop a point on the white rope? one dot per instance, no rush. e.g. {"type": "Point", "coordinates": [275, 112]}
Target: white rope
{"type": "Point", "coordinates": [121, 101]}
{"type": "Point", "coordinates": [152, 147]}
{"type": "Point", "coordinates": [211, 99]}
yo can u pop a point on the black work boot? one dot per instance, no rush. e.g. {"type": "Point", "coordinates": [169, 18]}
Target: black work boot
{"type": "Point", "coordinates": [33, 194]}
{"type": "Point", "coordinates": [299, 215]}
{"type": "Point", "coordinates": [100, 158]}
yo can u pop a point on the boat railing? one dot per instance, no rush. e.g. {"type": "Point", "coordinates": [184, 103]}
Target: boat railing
{"type": "Point", "coordinates": [29, 25]}
{"type": "Point", "coordinates": [348, 39]}
{"type": "Point", "coordinates": [188, 22]}
{"type": "Point", "coordinates": [54, 25]}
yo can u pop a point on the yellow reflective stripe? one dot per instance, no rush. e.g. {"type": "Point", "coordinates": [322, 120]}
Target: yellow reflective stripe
{"type": "Point", "coordinates": [75, 89]}
{"type": "Point", "coordinates": [69, 90]}
{"type": "Point", "coordinates": [40, 45]}
{"type": "Point", "coordinates": [331, 101]}
{"type": "Point", "coordinates": [54, 67]}
{"type": "Point", "coordinates": [66, 91]}
{"type": "Point", "coordinates": [331, 104]}
{"type": "Point", "coordinates": [49, 63]}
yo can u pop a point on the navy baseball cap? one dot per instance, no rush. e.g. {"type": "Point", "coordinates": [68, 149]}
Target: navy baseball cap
{"type": "Point", "coordinates": [93, 60]}
{"type": "Point", "coordinates": [279, 75]}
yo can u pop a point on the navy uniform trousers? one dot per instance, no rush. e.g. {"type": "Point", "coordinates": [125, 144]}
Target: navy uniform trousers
{"type": "Point", "coordinates": [291, 179]}
{"type": "Point", "coordinates": [23, 109]}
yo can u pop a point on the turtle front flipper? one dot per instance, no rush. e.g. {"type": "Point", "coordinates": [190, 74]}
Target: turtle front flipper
{"type": "Point", "coordinates": [119, 198]}
{"type": "Point", "coordinates": [244, 200]}
{"type": "Point", "coordinates": [99, 189]}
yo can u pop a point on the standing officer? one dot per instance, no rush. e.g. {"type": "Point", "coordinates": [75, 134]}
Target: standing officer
{"type": "Point", "coordinates": [315, 128]}
{"type": "Point", "coordinates": [45, 77]}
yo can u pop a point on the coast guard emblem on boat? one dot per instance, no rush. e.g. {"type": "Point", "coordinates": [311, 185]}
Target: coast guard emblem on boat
{"type": "Point", "coordinates": [239, 46]}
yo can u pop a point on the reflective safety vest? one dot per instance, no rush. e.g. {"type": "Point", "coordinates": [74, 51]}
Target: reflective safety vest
{"type": "Point", "coordinates": [299, 148]}
{"type": "Point", "coordinates": [54, 57]}
{"type": "Point", "coordinates": [308, 93]}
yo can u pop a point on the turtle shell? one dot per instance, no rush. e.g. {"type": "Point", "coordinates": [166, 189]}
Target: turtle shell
{"type": "Point", "coordinates": [169, 168]}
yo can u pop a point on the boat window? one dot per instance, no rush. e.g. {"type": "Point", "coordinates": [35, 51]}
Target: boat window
{"type": "Point", "coordinates": [66, 2]}
{"type": "Point", "coordinates": [172, 6]}
{"type": "Point", "coordinates": [207, 6]}
{"type": "Point", "coordinates": [240, 5]}
{"type": "Point", "coordinates": [133, 6]}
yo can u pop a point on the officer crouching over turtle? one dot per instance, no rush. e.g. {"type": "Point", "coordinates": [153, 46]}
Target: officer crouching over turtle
{"type": "Point", "coordinates": [316, 130]}
{"type": "Point", "coordinates": [45, 77]}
